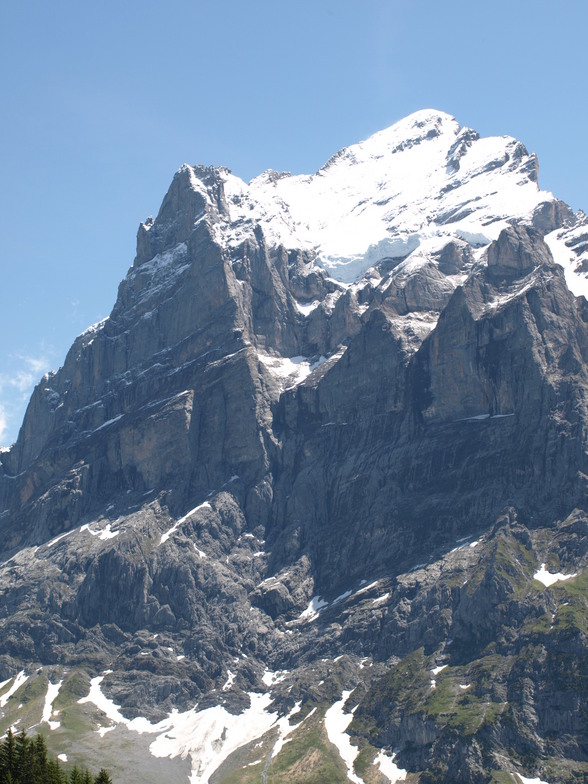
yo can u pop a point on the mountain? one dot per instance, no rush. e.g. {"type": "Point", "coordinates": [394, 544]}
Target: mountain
{"type": "Point", "coordinates": [310, 505]}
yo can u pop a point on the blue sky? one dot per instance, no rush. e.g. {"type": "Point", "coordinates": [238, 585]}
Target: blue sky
{"type": "Point", "coordinates": [102, 102]}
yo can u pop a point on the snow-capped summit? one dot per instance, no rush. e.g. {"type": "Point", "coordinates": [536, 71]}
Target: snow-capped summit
{"type": "Point", "coordinates": [419, 182]}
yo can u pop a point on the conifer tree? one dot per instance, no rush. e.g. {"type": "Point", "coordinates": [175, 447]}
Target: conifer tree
{"type": "Point", "coordinates": [39, 766]}
{"type": "Point", "coordinates": [76, 776]}
{"type": "Point", "coordinates": [23, 757]}
{"type": "Point", "coordinates": [8, 756]}
{"type": "Point", "coordinates": [53, 775]}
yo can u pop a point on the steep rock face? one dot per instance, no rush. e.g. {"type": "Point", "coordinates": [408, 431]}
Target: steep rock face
{"type": "Point", "coordinates": [258, 474]}
{"type": "Point", "coordinates": [404, 439]}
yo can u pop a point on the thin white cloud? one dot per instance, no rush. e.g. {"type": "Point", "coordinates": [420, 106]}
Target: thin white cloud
{"type": "Point", "coordinates": [22, 380]}
{"type": "Point", "coordinates": [26, 371]}
{"type": "Point", "coordinates": [37, 365]}
{"type": "Point", "coordinates": [3, 424]}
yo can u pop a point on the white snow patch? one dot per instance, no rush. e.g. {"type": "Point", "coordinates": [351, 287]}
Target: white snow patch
{"type": "Point", "coordinates": [291, 370]}
{"type": "Point", "coordinates": [536, 780]}
{"type": "Point", "coordinates": [93, 328]}
{"type": "Point", "coordinates": [269, 677]}
{"type": "Point", "coordinates": [307, 307]}
{"type": "Point", "coordinates": [62, 757]}
{"type": "Point", "coordinates": [103, 730]}
{"type": "Point", "coordinates": [389, 768]}
{"type": "Point", "coordinates": [274, 577]}
{"type": "Point", "coordinates": [104, 703]}
{"type": "Point", "coordinates": [336, 722]}
{"type": "Point", "coordinates": [285, 729]}
{"type": "Point", "coordinates": [547, 578]}
{"type": "Point", "coordinates": [108, 423]}
{"type": "Point", "coordinates": [59, 538]}
{"type": "Point", "coordinates": [211, 735]}
{"type": "Point", "coordinates": [566, 258]}
{"type": "Point", "coordinates": [18, 682]}
{"type": "Point", "coordinates": [381, 598]}
{"type": "Point", "coordinates": [200, 552]}
{"type": "Point", "coordinates": [350, 268]}
{"type": "Point", "coordinates": [315, 605]}
{"type": "Point", "coordinates": [417, 567]}
{"type": "Point", "coordinates": [365, 588]}
{"type": "Point", "coordinates": [464, 685]}
{"type": "Point", "coordinates": [104, 534]}
{"type": "Point", "coordinates": [174, 528]}
{"type": "Point", "coordinates": [230, 680]}
{"type": "Point", "coordinates": [436, 671]}
{"type": "Point", "coordinates": [107, 533]}
{"type": "Point", "coordinates": [50, 697]}
{"type": "Point", "coordinates": [476, 238]}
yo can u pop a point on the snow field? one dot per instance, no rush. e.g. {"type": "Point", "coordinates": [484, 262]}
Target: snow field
{"type": "Point", "coordinates": [312, 611]}
{"type": "Point", "coordinates": [48, 712]}
{"type": "Point", "coordinates": [374, 200]}
{"type": "Point", "coordinates": [336, 722]}
{"type": "Point", "coordinates": [292, 370]}
{"type": "Point", "coordinates": [547, 578]}
{"type": "Point", "coordinates": [389, 768]}
{"type": "Point", "coordinates": [566, 258]}
{"type": "Point", "coordinates": [208, 737]}
{"type": "Point", "coordinates": [20, 679]}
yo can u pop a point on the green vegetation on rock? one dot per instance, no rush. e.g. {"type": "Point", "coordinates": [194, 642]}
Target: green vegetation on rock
{"type": "Point", "coordinates": [308, 757]}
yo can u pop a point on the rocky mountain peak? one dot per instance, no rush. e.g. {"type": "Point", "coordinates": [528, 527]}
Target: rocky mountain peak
{"type": "Point", "coordinates": [518, 250]}
{"type": "Point", "coordinates": [320, 477]}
